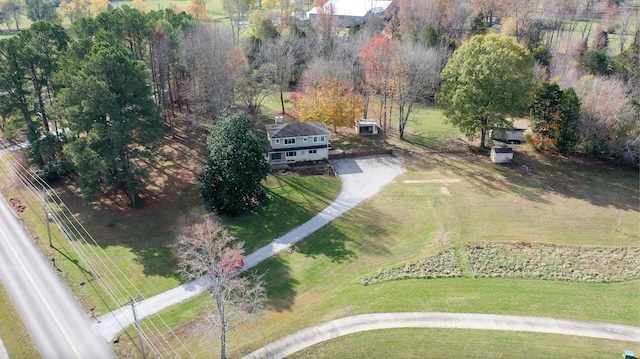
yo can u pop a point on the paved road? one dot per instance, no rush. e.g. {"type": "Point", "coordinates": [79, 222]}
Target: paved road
{"type": "Point", "coordinates": [57, 324]}
{"type": "Point", "coordinates": [336, 328]}
{"type": "Point", "coordinates": [3, 351]}
{"type": "Point", "coordinates": [361, 179]}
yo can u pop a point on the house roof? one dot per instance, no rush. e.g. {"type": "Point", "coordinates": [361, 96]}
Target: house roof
{"type": "Point", "coordinates": [503, 149]}
{"type": "Point", "coordinates": [297, 129]}
{"type": "Point", "coordinates": [356, 8]}
{"type": "Point", "coordinates": [366, 122]}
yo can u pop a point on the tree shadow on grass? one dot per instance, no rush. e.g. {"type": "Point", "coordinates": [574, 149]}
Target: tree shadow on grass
{"type": "Point", "coordinates": [436, 142]}
{"type": "Point", "coordinates": [148, 233]}
{"type": "Point", "coordinates": [334, 240]}
{"type": "Point", "coordinates": [157, 259]}
{"type": "Point", "coordinates": [331, 241]}
{"type": "Point", "coordinates": [599, 183]}
{"type": "Point", "coordinates": [278, 214]}
{"type": "Point", "coordinates": [305, 188]}
{"type": "Point", "coordinates": [280, 285]}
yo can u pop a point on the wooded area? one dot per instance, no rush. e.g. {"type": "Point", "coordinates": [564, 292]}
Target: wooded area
{"type": "Point", "coordinates": [96, 98]}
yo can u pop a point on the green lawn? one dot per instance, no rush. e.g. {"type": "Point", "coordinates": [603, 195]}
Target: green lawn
{"type": "Point", "coordinates": [214, 8]}
{"type": "Point", "coordinates": [139, 242]}
{"type": "Point", "coordinates": [293, 200]}
{"type": "Point", "coordinates": [562, 202]}
{"type": "Point", "coordinates": [447, 343]}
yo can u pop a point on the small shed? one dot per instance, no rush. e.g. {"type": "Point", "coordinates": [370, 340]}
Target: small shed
{"type": "Point", "coordinates": [367, 128]}
{"type": "Point", "coordinates": [502, 154]}
{"type": "Point", "coordinates": [510, 135]}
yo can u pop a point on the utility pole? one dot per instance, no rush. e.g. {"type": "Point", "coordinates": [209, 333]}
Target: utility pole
{"type": "Point", "coordinates": [47, 213]}
{"type": "Point", "coordinates": [135, 323]}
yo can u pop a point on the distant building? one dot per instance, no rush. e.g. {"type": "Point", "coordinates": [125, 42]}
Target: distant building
{"type": "Point", "coordinates": [297, 141]}
{"type": "Point", "coordinates": [351, 12]}
{"type": "Point", "coordinates": [367, 128]}
{"type": "Point", "coordinates": [509, 135]}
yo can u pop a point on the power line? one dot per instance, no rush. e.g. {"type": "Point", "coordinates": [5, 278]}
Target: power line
{"type": "Point", "coordinates": [105, 272]}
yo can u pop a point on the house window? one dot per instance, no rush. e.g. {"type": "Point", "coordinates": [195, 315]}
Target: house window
{"type": "Point", "coordinates": [276, 156]}
{"type": "Point", "coordinates": [291, 154]}
{"type": "Point", "coordinates": [277, 141]}
{"type": "Point", "coordinates": [318, 138]}
{"type": "Point", "coordinates": [312, 151]}
{"type": "Point", "coordinates": [304, 139]}
{"type": "Point", "coordinates": [289, 141]}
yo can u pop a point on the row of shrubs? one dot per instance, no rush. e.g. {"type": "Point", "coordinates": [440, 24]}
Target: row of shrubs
{"type": "Point", "coordinates": [523, 260]}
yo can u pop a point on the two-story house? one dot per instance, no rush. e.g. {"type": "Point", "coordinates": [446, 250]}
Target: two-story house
{"type": "Point", "coordinates": [297, 141]}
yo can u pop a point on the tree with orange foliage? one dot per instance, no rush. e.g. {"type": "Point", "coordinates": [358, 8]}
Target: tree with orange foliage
{"type": "Point", "coordinates": [196, 10]}
{"type": "Point", "coordinates": [333, 102]}
{"type": "Point", "coordinates": [376, 57]}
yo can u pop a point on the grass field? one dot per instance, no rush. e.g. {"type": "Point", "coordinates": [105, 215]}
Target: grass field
{"type": "Point", "coordinates": [139, 241]}
{"type": "Point", "coordinates": [214, 8]}
{"type": "Point", "coordinates": [447, 343]}
{"type": "Point", "coordinates": [564, 201]}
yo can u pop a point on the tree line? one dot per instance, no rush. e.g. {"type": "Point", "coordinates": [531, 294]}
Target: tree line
{"type": "Point", "coordinates": [115, 83]}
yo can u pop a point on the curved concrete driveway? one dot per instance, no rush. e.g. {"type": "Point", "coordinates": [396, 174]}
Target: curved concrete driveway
{"type": "Point", "coordinates": [336, 328]}
{"type": "Point", "coordinates": [361, 179]}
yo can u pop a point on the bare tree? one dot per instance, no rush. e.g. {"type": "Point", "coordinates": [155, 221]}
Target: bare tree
{"type": "Point", "coordinates": [610, 119]}
{"type": "Point", "coordinates": [206, 249]}
{"type": "Point", "coordinates": [342, 64]}
{"type": "Point", "coordinates": [162, 66]}
{"type": "Point", "coordinates": [457, 14]}
{"type": "Point", "coordinates": [625, 20]}
{"type": "Point", "coordinates": [280, 53]}
{"type": "Point", "coordinates": [255, 84]}
{"type": "Point", "coordinates": [327, 26]}
{"type": "Point", "coordinates": [417, 72]}
{"type": "Point", "coordinates": [414, 15]}
{"type": "Point", "coordinates": [205, 55]}
{"type": "Point", "coordinates": [522, 12]}
{"type": "Point", "coordinates": [237, 11]}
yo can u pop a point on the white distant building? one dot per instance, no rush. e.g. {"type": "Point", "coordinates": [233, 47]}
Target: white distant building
{"type": "Point", "coordinates": [367, 127]}
{"type": "Point", "coordinates": [350, 12]}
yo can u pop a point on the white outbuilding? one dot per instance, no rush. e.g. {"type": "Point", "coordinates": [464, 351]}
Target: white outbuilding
{"type": "Point", "coordinates": [367, 127]}
{"type": "Point", "coordinates": [501, 154]}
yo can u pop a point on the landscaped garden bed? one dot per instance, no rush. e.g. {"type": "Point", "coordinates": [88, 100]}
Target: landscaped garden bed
{"type": "Point", "coordinates": [554, 262]}
{"type": "Point", "coordinates": [524, 260]}
{"type": "Point", "coordinates": [442, 265]}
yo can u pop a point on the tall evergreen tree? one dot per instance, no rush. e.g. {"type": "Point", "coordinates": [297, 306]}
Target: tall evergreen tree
{"type": "Point", "coordinates": [108, 103]}
{"type": "Point", "coordinates": [555, 117]}
{"type": "Point", "coordinates": [231, 182]}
